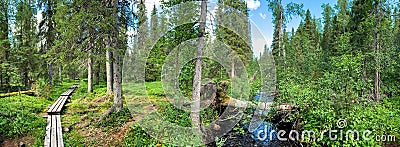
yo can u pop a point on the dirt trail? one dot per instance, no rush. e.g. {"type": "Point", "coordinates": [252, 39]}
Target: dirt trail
{"type": "Point", "coordinates": [27, 140]}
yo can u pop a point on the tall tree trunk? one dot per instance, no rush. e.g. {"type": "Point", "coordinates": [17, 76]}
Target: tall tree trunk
{"type": "Point", "coordinates": [364, 74]}
{"type": "Point", "coordinates": [195, 109]}
{"type": "Point", "coordinates": [117, 104]}
{"type": "Point", "coordinates": [176, 82]}
{"type": "Point", "coordinates": [97, 73]}
{"type": "Point", "coordinates": [90, 64]}
{"type": "Point", "coordinates": [112, 41]}
{"type": "Point", "coordinates": [376, 52]}
{"type": "Point", "coordinates": [51, 73]}
{"type": "Point", "coordinates": [1, 76]}
{"type": "Point", "coordinates": [233, 69]}
{"type": "Point", "coordinates": [26, 78]}
{"type": "Point", "coordinates": [60, 74]}
{"type": "Point", "coordinates": [109, 73]}
{"type": "Point", "coordinates": [280, 33]}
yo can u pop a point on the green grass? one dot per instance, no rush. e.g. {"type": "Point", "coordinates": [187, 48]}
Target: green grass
{"type": "Point", "coordinates": [22, 114]}
{"type": "Point", "coordinates": [60, 88]}
{"type": "Point", "coordinates": [22, 117]}
{"type": "Point", "coordinates": [73, 138]}
{"type": "Point", "coordinates": [138, 137]}
{"type": "Point", "coordinates": [154, 89]}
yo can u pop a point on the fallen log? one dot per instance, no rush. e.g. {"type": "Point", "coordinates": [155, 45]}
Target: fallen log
{"type": "Point", "coordinates": [29, 92]}
{"type": "Point", "coordinates": [260, 105]}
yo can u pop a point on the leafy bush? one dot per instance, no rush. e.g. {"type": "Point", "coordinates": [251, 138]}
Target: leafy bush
{"type": "Point", "coordinates": [20, 116]}
{"type": "Point", "coordinates": [42, 88]}
{"type": "Point", "coordinates": [338, 95]}
{"type": "Point", "coordinates": [116, 119]}
{"type": "Point", "coordinates": [138, 137]}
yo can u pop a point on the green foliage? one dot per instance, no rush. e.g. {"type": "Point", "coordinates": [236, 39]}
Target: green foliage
{"type": "Point", "coordinates": [138, 137]}
{"type": "Point", "coordinates": [43, 88]}
{"type": "Point", "coordinates": [116, 119]}
{"type": "Point", "coordinates": [320, 110]}
{"type": "Point", "coordinates": [172, 114]}
{"type": "Point", "coordinates": [220, 141]}
{"type": "Point", "coordinates": [73, 139]}
{"type": "Point", "coordinates": [154, 88]}
{"type": "Point", "coordinates": [20, 116]}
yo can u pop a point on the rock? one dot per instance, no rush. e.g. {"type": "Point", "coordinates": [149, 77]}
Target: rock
{"type": "Point", "coordinates": [208, 93]}
{"type": "Point", "coordinates": [65, 129]}
{"type": "Point", "coordinates": [216, 127]}
{"type": "Point", "coordinates": [21, 144]}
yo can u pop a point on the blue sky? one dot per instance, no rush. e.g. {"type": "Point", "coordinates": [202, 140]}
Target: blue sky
{"type": "Point", "coordinates": [262, 18]}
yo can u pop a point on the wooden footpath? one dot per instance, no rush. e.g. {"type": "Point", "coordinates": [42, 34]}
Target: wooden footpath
{"type": "Point", "coordinates": [53, 129]}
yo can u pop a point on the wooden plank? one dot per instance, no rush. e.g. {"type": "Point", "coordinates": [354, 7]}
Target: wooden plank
{"type": "Point", "coordinates": [60, 142]}
{"type": "Point", "coordinates": [261, 105]}
{"type": "Point", "coordinates": [73, 87]}
{"type": "Point", "coordinates": [53, 138]}
{"type": "Point", "coordinates": [54, 106]}
{"type": "Point", "coordinates": [71, 91]}
{"type": "Point", "coordinates": [62, 103]}
{"type": "Point", "coordinates": [57, 104]}
{"type": "Point", "coordinates": [48, 131]}
{"type": "Point", "coordinates": [67, 93]}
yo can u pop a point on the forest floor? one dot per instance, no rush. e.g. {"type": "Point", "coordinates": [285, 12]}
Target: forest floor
{"type": "Point", "coordinates": [81, 118]}
{"type": "Point", "coordinates": [21, 119]}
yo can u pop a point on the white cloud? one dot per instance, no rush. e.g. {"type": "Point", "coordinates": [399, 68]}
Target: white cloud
{"type": "Point", "coordinates": [263, 16]}
{"type": "Point", "coordinates": [253, 4]}
{"type": "Point", "coordinates": [150, 4]}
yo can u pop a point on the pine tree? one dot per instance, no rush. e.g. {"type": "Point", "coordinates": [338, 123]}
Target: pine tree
{"type": "Point", "coordinates": [327, 41]}
{"type": "Point", "coordinates": [360, 36]}
{"type": "Point", "coordinates": [340, 32]}
{"type": "Point", "coordinates": [47, 32]}
{"type": "Point", "coordinates": [25, 43]}
{"type": "Point", "coordinates": [308, 45]}
{"type": "Point", "coordinates": [142, 34]}
{"type": "Point", "coordinates": [281, 15]}
{"type": "Point", "coordinates": [4, 42]}
{"type": "Point", "coordinates": [112, 17]}
{"type": "Point", "coordinates": [154, 24]}
{"type": "Point", "coordinates": [195, 108]}
{"type": "Point", "coordinates": [233, 30]}
{"type": "Point", "coordinates": [156, 56]}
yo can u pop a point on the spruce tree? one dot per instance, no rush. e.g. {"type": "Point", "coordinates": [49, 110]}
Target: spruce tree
{"type": "Point", "coordinates": [25, 44]}
{"type": "Point", "coordinates": [4, 42]}
{"type": "Point", "coordinates": [327, 41]}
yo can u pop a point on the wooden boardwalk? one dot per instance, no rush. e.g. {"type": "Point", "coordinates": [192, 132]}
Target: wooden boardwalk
{"type": "Point", "coordinates": [53, 129]}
